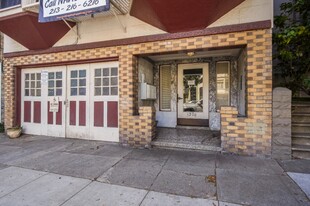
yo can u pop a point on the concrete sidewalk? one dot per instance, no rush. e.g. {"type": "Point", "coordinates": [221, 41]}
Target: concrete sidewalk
{"type": "Point", "coordinates": [37, 170]}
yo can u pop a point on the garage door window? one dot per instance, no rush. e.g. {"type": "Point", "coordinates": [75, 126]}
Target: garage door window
{"type": "Point", "coordinates": [33, 84]}
{"type": "Point", "coordinates": [78, 82]}
{"type": "Point", "coordinates": [106, 81]}
{"type": "Point", "coordinates": [54, 83]}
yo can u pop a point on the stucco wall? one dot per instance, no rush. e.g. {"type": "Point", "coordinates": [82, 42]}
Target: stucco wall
{"type": "Point", "coordinates": [108, 28]}
{"type": "Point", "coordinates": [248, 11]}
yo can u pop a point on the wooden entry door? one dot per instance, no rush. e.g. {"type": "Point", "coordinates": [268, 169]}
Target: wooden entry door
{"type": "Point", "coordinates": [87, 97]}
{"type": "Point", "coordinates": [193, 94]}
{"type": "Point", "coordinates": [39, 87]}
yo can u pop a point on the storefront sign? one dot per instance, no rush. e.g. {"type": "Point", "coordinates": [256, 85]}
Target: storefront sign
{"type": "Point", "coordinates": [191, 82]}
{"type": "Point", "coordinates": [54, 104]}
{"type": "Point", "coordinates": [55, 10]}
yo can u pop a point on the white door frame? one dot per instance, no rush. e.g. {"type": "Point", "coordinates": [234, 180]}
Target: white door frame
{"type": "Point", "coordinates": [190, 114]}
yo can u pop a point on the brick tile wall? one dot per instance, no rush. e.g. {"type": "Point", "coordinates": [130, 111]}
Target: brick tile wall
{"type": "Point", "coordinates": [250, 135]}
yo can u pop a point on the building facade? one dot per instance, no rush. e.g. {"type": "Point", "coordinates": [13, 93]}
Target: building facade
{"type": "Point", "coordinates": [119, 75]}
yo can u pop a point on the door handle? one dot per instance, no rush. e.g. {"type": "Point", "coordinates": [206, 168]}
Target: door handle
{"type": "Point", "coordinates": [179, 98]}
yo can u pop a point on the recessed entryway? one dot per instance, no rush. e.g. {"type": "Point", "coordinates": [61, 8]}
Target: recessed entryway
{"type": "Point", "coordinates": [184, 137]}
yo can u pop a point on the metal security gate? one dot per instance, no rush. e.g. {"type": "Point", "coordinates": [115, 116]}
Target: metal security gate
{"type": "Point", "coordinates": [76, 101]}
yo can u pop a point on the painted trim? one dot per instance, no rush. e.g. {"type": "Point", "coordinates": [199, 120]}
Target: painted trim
{"type": "Point", "coordinates": [68, 63]}
{"type": "Point", "coordinates": [150, 38]}
{"type": "Point", "coordinates": [18, 92]}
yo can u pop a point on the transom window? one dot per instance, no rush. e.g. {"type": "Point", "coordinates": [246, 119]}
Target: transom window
{"type": "Point", "coordinates": [33, 84]}
{"type": "Point", "coordinates": [54, 83]}
{"type": "Point", "coordinates": [78, 82]}
{"type": "Point", "coordinates": [106, 81]}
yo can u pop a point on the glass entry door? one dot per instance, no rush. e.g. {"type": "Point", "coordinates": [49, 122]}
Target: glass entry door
{"type": "Point", "coordinates": [193, 91]}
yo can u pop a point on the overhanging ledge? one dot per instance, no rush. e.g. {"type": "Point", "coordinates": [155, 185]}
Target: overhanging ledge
{"type": "Point", "coordinates": [25, 29]}
{"type": "Point", "coordinates": [151, 38]}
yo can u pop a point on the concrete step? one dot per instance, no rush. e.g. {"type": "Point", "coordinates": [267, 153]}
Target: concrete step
{"type": "Point", "coordinates": [301, 114]}
{"type": "Point", "coordinates": [301, 135]}
{"type": "Point", "coordinates": [296, 147]}
{"type": "Point", "coordinates": [300, 127]}
{"type": "Point", "coordinates": [300, 117]}
{"type": "Point", "coordinates": [301, 155]}
{"type": "Point", "coordinates": [301, 151]}
{"type": "Point", "coordinates": [301, 141]}
{"type": "Point", "coordinates": [301, 108]}
{"type": "Point", "coordinates": [193, 127]}
{"type": "Point", "coordinates": [174, 145]}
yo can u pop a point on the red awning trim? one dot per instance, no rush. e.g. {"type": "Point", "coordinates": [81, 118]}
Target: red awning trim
{"type": "Point", "coordinates": [25, 29]}
{"type": "Point", "coordinates": [182, 15]}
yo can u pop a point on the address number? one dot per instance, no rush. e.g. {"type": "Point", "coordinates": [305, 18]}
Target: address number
{"type": "Point", "coordinates": [191, 114]}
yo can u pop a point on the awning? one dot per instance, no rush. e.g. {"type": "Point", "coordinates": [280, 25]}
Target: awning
{"type": "Point", "coordinates": [181, 15]}
{"type": "Point", "coordinates": [25, 29]}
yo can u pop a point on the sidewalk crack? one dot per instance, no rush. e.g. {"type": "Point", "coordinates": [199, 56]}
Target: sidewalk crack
{"type": "Point", "coordinates": [149, 190]}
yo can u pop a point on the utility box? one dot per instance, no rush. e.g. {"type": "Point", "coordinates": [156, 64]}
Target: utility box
{"type": "Point", "coordinates": [148, 92]}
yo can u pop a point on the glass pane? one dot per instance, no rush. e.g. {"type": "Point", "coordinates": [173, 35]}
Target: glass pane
{"type": "Point", "coordinates": [192, 90]}
{"type": "Point", "coordinates": [114, 81]}
{"type": "Point", "coordinates": [114, 90]}
{"type": "Point", "coordinates": [82, 73]}
{"type": "Point", "coordinates": [27, 77]}
{"type": "Point", "coordinates": [38, 84]}
{"type": "Point", "coordinates": [105, 91]}
{"type": "Point", "coordinates": [105, 81]}
{"type": "Point", "coordinates": [58, 75]}
{"type": "Point", "coordinates": [73, 82]}
{"type": "Point", "coordinates": [82, 91]}
{"type": "Point", "coordinates": [38, 76]}
{"type": "Point", "coordinates": [97, 91]}
{"type": "Point", "coordinates": [26, 92]}
{"type": "Point", "coordinates": [73, 91]}
{"type": "Point", "coordinates": [114, 71]}
{"type": "Point", "coordinates": [222, 83]}
{"type": "Point", "coordinates": [33, 84]}
{"type": "Point", "coordinates": [51, 83]}
{"type": "Point", "coordinates": [97, 81]}
{"type": "Point", "coordinates": [58, 92]}
{"type": "Point", "coordinates": [105, 72]}
{"type": "Point", "coordinates": [82, 82]}
{"type": "Point", "coordinates": [74, 74]}
{"type": "Point", "coordinates": [32, 92]}
{"type": "Point", "coordinates": [51, 75]}
{"type": "Point", "coordinates": [51, 92]}
{"type": "Point", "coordinates": [33, 76]}
{"type": "Point", "coordinates": [38, 92]}
{"type": "Point", "coordinates": [59, 83]}
{"type": "Point", "coordinates": [97, 72]}
{"type": "Point", "coordinates": [27, 84]}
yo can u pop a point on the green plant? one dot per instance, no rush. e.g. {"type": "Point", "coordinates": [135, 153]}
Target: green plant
{"type": "Point", "coordinates": [1, 127]}
{"type": "Point", "coordinates": [291, 41]}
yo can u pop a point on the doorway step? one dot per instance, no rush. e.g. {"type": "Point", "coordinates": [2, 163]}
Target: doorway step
{"type": "Point", "coordinates": [185, 137]}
